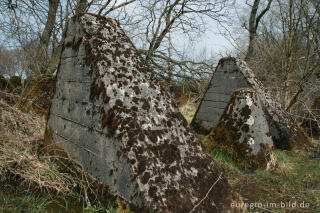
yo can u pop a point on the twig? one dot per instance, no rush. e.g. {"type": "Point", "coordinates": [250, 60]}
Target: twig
{"type": "Point", "coordinates": [219, 178]}
{"type": "Point", "coordinates": [264, 209]}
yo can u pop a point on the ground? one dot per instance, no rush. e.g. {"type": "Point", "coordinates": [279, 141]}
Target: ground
{"type": "Point", "coordinates": [295, 179]}
{"type": "Point", "coordinates": [33, 182]}
{"type": "Point", "coordinates": [28, 179]}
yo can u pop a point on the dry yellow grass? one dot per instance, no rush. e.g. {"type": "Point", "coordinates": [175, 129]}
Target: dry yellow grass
{"type": "Point", "coordinates": [21, 142]}
{"type": "Point", "coordinates": [188, 110]}
{"type": "Point", "coordinates": [25, 170]}
{"type": "Point", "coordinates": [293, 177]}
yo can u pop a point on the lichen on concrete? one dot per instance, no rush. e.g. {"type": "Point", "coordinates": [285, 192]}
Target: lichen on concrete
{"type": "Point", "coordinates": [231, 74]}
{"type": "Point", "coordinates": [285, 133]}
{"type": "Point", "coordinates": [112, 117]}
{"type": "Point", "coordinates": [242, 131]}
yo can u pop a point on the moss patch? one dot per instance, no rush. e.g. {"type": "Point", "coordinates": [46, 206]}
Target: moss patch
{"type": "Point", "coordinates": [226, 140]}
{"type": "Point", "coordinates": [232, 136]}
{"type": "Point", "coordinates": [38, 94]}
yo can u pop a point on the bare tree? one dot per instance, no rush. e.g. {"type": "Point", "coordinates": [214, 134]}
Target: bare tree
{"type": "Point", "coordinates": [310, 29]}
{"type": "Point", "coordinates": [286, 53]}
{"type": "Point", "coordinates": [154, 26]}
{"type": "Point", "coordinates": [30, 22]}
{"type": "Point", "coordinates": [162, 20]}
{"type": "Point", "coordinates": [8, 59]}
{"type": "Point", "coordinates": [254, 21]}
{"type": "Point", "coordinates": [39, 64]}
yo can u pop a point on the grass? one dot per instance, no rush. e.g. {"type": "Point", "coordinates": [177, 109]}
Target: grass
{"type": "Point", "coordinates": [281, 157]}
{"type": "Point", "coordinates": [33, 182]}
{"type": "Point", "coordinates": [20, 146]}
{"type": "Point", "coordinates": [24, 203]}
{"type": "Point", "coordinates": [224, 160]}
{"type": "Point", "coordinates": [294, 180]}
{"type": "Point", "coordinates": [188, 110]}
{"type": "Point", "coordinates": [36, 202]}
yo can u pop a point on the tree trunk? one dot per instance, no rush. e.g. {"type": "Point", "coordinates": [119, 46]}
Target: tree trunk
{"type": "Point", "coordinates": [54, 61]}
{"type": "Point", "coordinates": [253, 25]}
{"type": "Point", "coordinates": [39, 63]}
{"type": "Point", "coordinates": [289, 66]}
{"type": "Point", "coordinates": [252, 29]}
{"type": "Point", "coordinates": [82, 6]}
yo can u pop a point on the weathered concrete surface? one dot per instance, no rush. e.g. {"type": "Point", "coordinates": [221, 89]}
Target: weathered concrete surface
{"type": "Point", "coordinates": [243, 131]}
{"type": "Point", "coordinates": [225, 80]}
{"type": "Point", "coordinates": [113, 118]}
{"type": "Point", "coordinates": [231, 74]}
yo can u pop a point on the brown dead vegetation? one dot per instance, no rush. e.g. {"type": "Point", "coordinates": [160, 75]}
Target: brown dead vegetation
{"type": "Point", "coordinates": [37, 95]}
{"type": "Point", "coordinates": [311, 124]}
{"type": "Point", "coordinates": [24, 167]}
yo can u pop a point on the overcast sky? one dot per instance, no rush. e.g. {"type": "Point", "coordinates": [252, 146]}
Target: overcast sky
{"type": "Point", "coordinates": [212, 41]}
{"type": "Point", "coordinates": [215, 39]}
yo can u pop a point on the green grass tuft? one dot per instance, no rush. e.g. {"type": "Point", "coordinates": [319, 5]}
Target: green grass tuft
{"type": "Point", "coordinates": [223, 159]}
{"type": "Point", "coordinates": [24, 203]}
{"type": "Point", "coordinates": [281, 157]}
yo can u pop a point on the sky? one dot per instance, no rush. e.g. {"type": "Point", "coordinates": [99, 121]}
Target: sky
{"type": "Point", "coordinates": [215, 40]}
{"type": "Point", "coordinates": [211, 40]}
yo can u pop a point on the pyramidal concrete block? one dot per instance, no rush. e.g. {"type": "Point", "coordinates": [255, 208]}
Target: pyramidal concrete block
{"type": "Point", "coordinates": [111, 116]}
{"type": "Point", "coordinates": [243, 131]}
{"type": "Point", "coordinates": [230, 75]}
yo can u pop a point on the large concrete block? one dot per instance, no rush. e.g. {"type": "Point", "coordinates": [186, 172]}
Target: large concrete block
{"type": "Point", "coordinates": [231, 74]}
{"type": "Point", "coordinates": [243, 131]}
{"type": "Point", "coordinates": [111, 116]}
